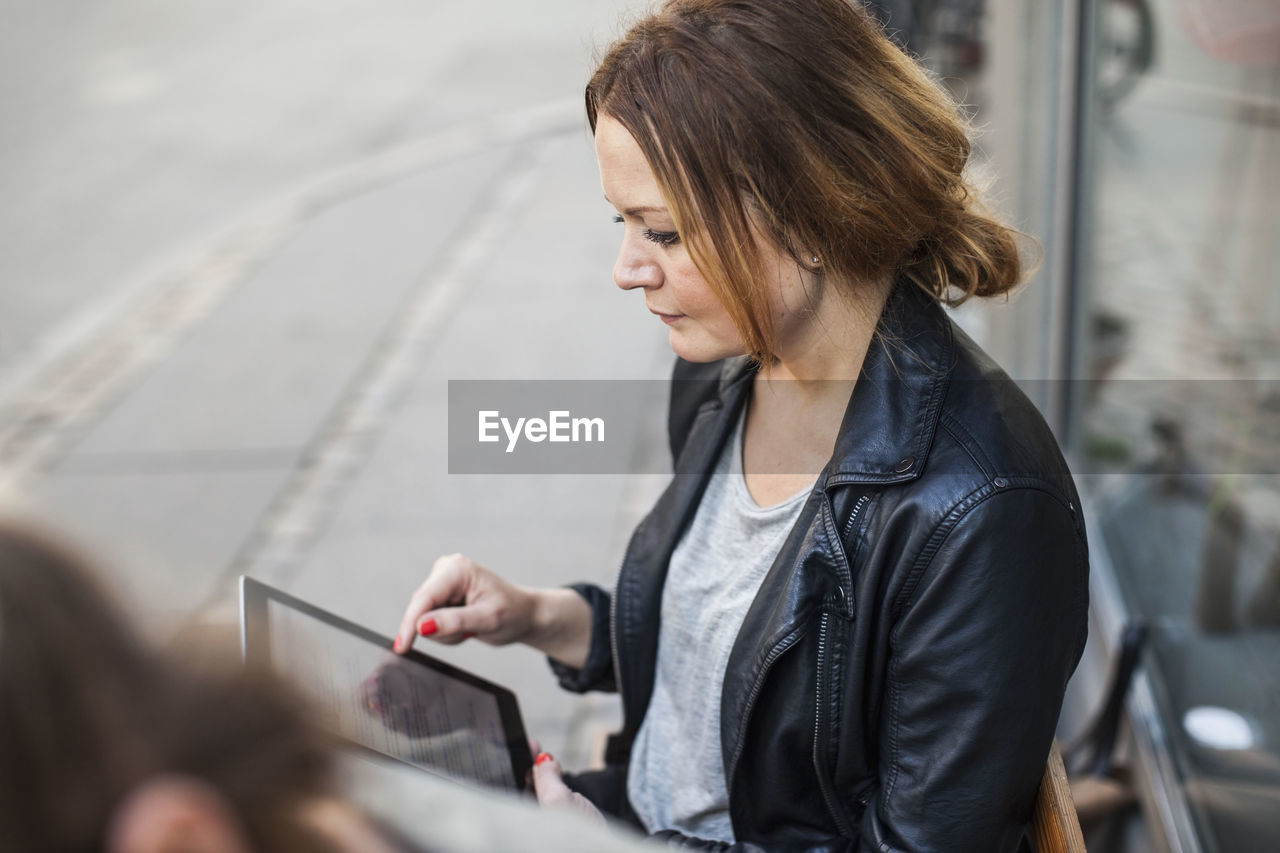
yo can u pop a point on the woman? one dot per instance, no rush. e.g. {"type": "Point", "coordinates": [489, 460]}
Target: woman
{"type": "Point", "coordinates": [108, 745]}
{"type": "Point", "coordinates": [849, 621]}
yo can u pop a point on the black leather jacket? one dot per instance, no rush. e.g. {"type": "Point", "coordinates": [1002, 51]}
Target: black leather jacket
{"type": "Point", "coordinates": [897, 680]}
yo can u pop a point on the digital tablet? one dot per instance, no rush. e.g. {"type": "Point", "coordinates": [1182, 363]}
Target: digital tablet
{"type": "Point", "coordinates": [410, 707]}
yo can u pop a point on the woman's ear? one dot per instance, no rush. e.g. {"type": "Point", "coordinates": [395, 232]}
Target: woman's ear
{"type": "Point", "coordinates": [809, 259]}
{"type": "Point", "coordinates": [175, 814]}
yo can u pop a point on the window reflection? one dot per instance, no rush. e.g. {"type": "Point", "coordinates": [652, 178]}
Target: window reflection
{"type": "Point", "coordinates": [1182, 408]}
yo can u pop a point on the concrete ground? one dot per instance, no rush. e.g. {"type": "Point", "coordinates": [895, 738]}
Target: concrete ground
{"type": "Point", "coordinates": [369, 199]}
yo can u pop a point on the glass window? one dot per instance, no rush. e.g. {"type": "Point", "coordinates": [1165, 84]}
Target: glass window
{"type": "Point", "coordinates": [1180, 396]}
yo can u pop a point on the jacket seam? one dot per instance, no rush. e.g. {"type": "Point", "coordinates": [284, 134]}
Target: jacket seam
{"type": "Point", "coordinates": [844, 561]}
{"type": "Point", "coordinates": [967, 443]}
{"type": "Point", "coordinates": [924, 560]}
{"type": "Point", "coordinates": [931, 413]}
{"type": "Point", "coordinates": [931, 546]}
{"type": "Point", "coordinates": [956, 514]}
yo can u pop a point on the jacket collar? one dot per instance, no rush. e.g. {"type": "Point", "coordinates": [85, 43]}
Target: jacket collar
{"type": "Point", "coordinates": [891, 419]}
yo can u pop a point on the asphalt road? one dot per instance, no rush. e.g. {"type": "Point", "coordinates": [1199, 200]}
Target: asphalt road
{"type": "Point", "coordinates": [244, 248]}
{"type": "Point", "coordinates": [131, 130]}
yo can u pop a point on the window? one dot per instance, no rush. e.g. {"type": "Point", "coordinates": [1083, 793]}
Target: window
{"type": "Point", "coordinates": [1179, 392]}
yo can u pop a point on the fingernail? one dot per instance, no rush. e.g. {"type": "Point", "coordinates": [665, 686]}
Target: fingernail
{"type": "Point", "coordinates": [543, 757]}
{"type": "Point", "coordinates": [395, 647]}
{"type": "Point", "coordinates": [428, 628]}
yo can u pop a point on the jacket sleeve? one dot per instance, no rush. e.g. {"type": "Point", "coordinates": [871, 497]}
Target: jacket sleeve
{"type": "Point", "coordinates": [990, 623]}
{"type": "Point", "coordinates": [597, 672]}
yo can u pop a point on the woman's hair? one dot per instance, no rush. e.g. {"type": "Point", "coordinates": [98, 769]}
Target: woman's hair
{"type": "Point", "coordinates": [88, 712]}
{"type": "Point", "coordinates": [800, 120]}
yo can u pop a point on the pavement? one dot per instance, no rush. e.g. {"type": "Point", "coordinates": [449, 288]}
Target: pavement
{"type": "Point", "coordinates": [272, 400]}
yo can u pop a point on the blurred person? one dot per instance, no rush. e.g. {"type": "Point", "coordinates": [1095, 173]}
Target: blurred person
{"type": "Point", "coordinates": [849, 621]}
{"type": "Point", "coordinates": [107, 744]}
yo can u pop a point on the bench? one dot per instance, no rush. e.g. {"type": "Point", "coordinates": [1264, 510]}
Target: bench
{"type": "Point", "coordinates": [1055, 828]}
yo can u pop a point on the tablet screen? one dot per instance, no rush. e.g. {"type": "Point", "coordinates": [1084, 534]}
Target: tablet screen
{"type": "Point", "coordinates": [412, 708]}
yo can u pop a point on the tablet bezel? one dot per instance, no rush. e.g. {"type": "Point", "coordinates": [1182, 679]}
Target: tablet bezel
{"type": "Point", "coordinates": [255, 649]}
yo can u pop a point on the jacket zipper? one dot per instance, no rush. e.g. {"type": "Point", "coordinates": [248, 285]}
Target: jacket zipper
{"type": "Point", "coordinates": [853, 516]}
{"type": "Point", "coordinates": [837, 814]}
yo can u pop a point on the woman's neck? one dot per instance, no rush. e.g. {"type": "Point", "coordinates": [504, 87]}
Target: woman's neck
{"type": "Point", "coordinates": [797, 406]}
{"type": "Point", "coordinates": [836, 340]}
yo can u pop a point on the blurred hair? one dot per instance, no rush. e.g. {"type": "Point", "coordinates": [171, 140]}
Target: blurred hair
{"type": "Point", "coordinates": [801, 120]}
{"type": "Point", "coordinates": [88, 712]}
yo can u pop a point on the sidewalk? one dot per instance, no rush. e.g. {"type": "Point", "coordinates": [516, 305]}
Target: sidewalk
{"type": "Point", "coordinates": [289, 421]}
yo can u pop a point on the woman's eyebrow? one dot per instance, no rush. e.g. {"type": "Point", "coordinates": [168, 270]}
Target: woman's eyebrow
{"type": "Point", "coordinates": [633, 211]}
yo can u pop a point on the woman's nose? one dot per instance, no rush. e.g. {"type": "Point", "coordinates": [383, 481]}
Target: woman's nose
{"type": "Point", "coordinates": [635, 267]}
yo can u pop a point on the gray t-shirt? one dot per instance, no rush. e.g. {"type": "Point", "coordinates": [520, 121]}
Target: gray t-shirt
{"type": "Point", "coordinates": [676, 777]}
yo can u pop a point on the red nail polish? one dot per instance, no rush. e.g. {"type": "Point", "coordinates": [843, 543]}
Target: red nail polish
{"type": "Point", "coordinates": [428, 628]}
{"type": "Point", "coordinates": [542, 758]}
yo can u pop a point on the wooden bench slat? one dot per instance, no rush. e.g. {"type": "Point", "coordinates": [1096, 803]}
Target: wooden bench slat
{"type": "Point", "coordinates": [1055, 828]}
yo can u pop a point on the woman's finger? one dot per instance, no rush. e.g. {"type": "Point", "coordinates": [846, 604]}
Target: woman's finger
{"type": "Point", "coordinates": [445, 583]}
{"type": "Point", "coordinates": [553, 793]}
{"type": "Point", "coordinates": [548, 782]}
{"type": "Point", "coordinates": [452, 624]}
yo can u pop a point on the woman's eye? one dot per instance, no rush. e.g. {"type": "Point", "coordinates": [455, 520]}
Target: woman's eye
{"type": "Point", "coordinates": [666, 239]}
{"type": "Point", "coordinates": [662, 238]}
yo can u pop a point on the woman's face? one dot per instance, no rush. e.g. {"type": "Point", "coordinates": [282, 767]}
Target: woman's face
{"type": "Point", "coordinates": [655, 260]}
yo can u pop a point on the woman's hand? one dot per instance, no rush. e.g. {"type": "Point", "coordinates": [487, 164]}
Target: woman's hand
{"type": "Point", "coordinates": [553, 793]}
{"type": "Point", "coordinates": [461, 599]}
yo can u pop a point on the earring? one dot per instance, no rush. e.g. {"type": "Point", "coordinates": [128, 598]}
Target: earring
{"type": "Point", "coordinates": [813, 259]}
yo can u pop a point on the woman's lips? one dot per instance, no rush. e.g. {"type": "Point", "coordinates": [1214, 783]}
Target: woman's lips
{"type": "Point", "coordinates": [668, 318]}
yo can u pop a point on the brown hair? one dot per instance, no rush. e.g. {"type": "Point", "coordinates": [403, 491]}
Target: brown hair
{"type": "Point", "coordinates": [88, 712]}
{"type": "Point", "coordinates": [799, 118]}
